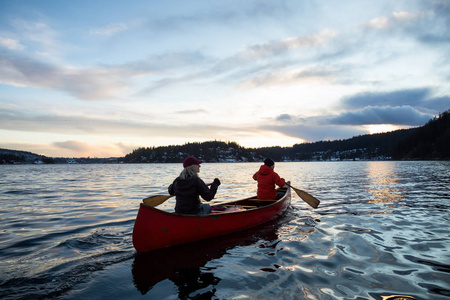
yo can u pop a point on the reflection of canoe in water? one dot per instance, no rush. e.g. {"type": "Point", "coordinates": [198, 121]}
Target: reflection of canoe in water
{"type": "Point", "coordinates": [183, 264]}
{"type": "Point", "coordinates": [156, 229]}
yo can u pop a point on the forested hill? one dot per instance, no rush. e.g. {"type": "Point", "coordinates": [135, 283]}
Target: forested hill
{"type": "Point", "coordinates": [14, 156]}
{"type": "Point", "coordinates": [366, 147]}
{"type": "Point", "coordinates": [430, 141]}
{"type": "Point", "coordinates": [23, 157]}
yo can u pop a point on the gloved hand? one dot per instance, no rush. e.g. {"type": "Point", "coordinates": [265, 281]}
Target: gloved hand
{"type": "Point", "coordinates": [216, 181]}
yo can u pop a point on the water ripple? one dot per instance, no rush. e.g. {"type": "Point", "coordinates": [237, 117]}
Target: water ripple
{"type": "Point", "coordinates": [380, 231]}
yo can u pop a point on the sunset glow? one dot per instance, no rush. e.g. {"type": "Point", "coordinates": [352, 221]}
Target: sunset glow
{"type": "Point", "coordinates": [101, 78]}
{"type": "Point", "coordinates": [382, 128]}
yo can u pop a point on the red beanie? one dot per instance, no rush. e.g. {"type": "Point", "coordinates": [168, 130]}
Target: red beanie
{"type": "Point", "coordinates": [190, 160]}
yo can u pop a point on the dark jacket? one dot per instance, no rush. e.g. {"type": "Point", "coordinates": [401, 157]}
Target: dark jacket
{"type": "Point", "coordinates": [267, 179]}
{"type": "Point", "coordinates": [187, 192]}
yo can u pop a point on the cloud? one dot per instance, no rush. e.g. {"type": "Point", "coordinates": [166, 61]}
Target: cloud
{"type": "Point", "coordinates": [76, 146]}
{"type": "Point", "coordinates": [73, 148]}
{"type": "Point", "coordinates": [38, 34]}
{"type": "Point", "coordinates": [284, 118]}
{"type": "Point", "coordinates": [97, 83]}
{"type": "Point", "coordinates": [27, 121]}
{"type": "Point", "coordinates": [314, 133]}
{"type": "Point", "coordinates": [402, 108]}
{"type": "Point", "coordinates": [396, 98]}
{"type": "Point", "coordinates": [164, 63]}
{"type": "Point", "coordinates": [116, 28]}
{"type": "Point", "coordinates": [346, 125]}
{"type": "Point", "coordinates": [438, 104]}
{"type": "Point", "coordinates": [193, 15]}
{"type": "Point", "coordinates": [435, 27]}
{"type": "Point", "coordinates": [397, 20]}
{"type": "Point", "coordinates": [302, 76]}
{"type": "Point", "coordinates": [429, 25]}
{"type": "Point", "coordinates": [379, 23]}
{"type": "Point", "coordinates": [289, 44]}
{"type": "Point", "coordinates": [110, 29]}
{"type": "Point", "coordinates": [418, 98]}
{"type": "Point", "coordinates": [403, 115]}
{"type": "Point", "coordinates": [106, 82]}
{"type": "Point", "coordinates": [255, 59]}
{"type": "Point", "coordinates": [88, 84]}
{"type": "Point", "coordinates": [11, 44]}
{"type": "Point", "coordinates": [275, 48]}
{"type": "Point", "coordinates": [191, 111]}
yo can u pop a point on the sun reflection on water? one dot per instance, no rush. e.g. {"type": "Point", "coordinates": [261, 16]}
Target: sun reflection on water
{"type": "Point", "coordinates": [383, 183]}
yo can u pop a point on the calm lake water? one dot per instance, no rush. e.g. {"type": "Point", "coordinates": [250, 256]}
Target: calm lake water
{"type": "Point", "coordinates": [382, 229]}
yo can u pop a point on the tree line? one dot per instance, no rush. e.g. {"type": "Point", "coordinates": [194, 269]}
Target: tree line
{"type": "Point", "coordinates": [431, 141]}
{"type": "Point", "coordinates": [428, 142]}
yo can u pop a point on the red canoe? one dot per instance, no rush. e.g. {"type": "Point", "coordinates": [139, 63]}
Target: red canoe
{"type": "Point", "coordinates": [156, 229]}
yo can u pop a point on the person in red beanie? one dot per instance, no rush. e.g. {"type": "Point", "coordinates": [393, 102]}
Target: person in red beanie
{"type": "Point", "coordinates": [267, 179]}
{"type": "Point", "coordinates": [188, 187]}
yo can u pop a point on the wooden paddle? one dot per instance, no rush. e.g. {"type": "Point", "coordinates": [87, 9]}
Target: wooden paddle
{"type": "Point", "coordinates": [306, 197]}
{"type": "Point", "coordinates": [156, 200]}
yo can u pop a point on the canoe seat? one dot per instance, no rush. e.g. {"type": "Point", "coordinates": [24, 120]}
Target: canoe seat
{"type": "Point", "coordinates": [244, 206]}
{"type": "Point", "coordinates": [262, 200]}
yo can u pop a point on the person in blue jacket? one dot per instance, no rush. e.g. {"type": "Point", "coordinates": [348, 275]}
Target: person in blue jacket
{"type": "Point", "coordinates": [188, 187]}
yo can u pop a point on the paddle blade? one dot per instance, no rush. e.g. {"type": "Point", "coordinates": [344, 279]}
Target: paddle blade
{"type": "Point", "coordinates": [311, 200]}
{"type": "Point", "coordinates": [154, 201]}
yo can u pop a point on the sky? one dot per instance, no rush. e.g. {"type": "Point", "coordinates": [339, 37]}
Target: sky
{"type": "Point", "coordinates": [102, 78]}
